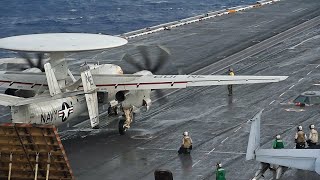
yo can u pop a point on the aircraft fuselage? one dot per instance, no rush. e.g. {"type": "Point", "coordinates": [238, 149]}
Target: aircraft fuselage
{"type": "Point", "coordinates": [53, 112]}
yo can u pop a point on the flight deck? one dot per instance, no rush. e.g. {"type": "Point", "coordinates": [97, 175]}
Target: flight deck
{"type": "Point", "coordinates": [281, 38]}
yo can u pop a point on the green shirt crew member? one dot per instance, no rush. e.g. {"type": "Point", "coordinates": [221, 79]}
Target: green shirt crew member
{"type": "Point", "coordinates": [278, 143]}
{"type": "Point", "coordinates": [220, 172]}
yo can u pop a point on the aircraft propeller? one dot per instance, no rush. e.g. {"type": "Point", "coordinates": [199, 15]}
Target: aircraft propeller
{"type": "Point", "coordinates": [31, 66]}
{"type": "Point", "coordinates": [31, 63]}
{"type": "Point", "coordinates": [152, 58]}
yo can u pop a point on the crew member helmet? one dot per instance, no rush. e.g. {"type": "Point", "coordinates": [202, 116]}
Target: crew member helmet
{"type": "Point", "coordinates": [299, 128]}
{"type": "Point", "coordinates": [278, 136]}
{"type": "Point", "coordinates": [219, 165]}
{"type": "Point", "coordinates": [185, 133]}
{"type": "Point", "coordinates": [231, 69]}
{"type": "Point", "coordinates": [312, 126]}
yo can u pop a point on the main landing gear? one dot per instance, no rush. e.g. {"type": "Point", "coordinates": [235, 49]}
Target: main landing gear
{"type": "Point", "coordinates": [122, 129]}
{"type": "Point", "coordinates": [113, 111]}
{"type": "Point", "coordinates": [126, 120]}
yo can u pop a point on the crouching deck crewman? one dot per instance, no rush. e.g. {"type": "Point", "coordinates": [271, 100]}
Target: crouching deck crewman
{"type": "Point", "coordinates": [300, 138]}
{"type": "Point", "coordinates": [313, 136]}
{"type": "Point", "coordinates": [186, 144]}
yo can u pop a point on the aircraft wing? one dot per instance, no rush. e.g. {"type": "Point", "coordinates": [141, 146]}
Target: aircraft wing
{"type": "Point", "coordinates": [34, 81]}
{"type": "Point", "coordinates": [139, 82]}
{"type": "Point", "coordinates": [23, 80]}
{"type": "Point", "coordinates": [305, 159]}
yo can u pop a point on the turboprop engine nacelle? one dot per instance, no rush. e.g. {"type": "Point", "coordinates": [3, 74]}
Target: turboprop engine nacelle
{"type": "Point", "coordinates": [103, 97]}
{"type": "Point", "coordinates": [135, 98]}
{"type": "Point", "coordinates": [105, 69]}
{"type": "Point", "coordinates": [121, 95]}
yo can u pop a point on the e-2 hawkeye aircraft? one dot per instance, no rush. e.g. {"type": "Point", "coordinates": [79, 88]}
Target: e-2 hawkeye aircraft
{"type": "Point", "coordinates": [60, 95]}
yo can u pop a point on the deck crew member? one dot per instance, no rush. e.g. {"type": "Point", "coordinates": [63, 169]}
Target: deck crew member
{"type": "Point", "coordinates": [220, 172]}
{"type": "Point", "coordinates": [300, 138]}
{"type": "Point", "coordinates": [231, 73]}
{"type": "Point", "coordinates": [186, 145]}
{"type": "Point", "coordinates": [278, 143]}
{"type": "Point", "coordinates": [313, 136]}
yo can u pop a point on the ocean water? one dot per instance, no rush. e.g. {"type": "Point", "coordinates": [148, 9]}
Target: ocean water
{"type": "Point", "coordinates": [98, 16]}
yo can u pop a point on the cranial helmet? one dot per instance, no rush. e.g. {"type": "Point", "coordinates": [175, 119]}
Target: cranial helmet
{"type": "Point", "coordinates": [219, 165]}
{"type": "Point", "coordinates": [278, 136]}
{"type": "Point", "coordinates": [185, 133]}
{"type": "Point", "coordinates": [299, 128]}
{"type": "Point", "coordinates": [312, 126]}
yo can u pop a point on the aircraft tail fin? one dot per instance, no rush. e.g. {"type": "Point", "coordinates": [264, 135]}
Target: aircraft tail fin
{"type": "Point", "coordinates": [254, 137]}
{"type": "Point", "coordinates": [54, 87]}
{"type": "Point", "coordinates": [90, 91]}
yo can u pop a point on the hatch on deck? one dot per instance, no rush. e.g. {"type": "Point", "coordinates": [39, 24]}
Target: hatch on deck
{"type": "Point", "coordinates": [308, 98]}
{"type": "Point", "coordinates": [32, 152]}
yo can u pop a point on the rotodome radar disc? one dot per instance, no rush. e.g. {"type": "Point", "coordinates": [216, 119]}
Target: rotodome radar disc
{"type": "Point", "coordinates": [61, 42]}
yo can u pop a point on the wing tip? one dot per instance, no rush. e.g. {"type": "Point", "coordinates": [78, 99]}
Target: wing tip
{"type": "Point", "coordinates": [282, 78]}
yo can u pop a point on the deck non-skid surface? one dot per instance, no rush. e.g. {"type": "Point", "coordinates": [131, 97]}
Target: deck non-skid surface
{"type": "Point", "coordinates": [278, 39]}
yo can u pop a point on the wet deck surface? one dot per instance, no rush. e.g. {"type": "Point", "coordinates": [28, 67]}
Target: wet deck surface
{"type": "Point", "coordinates": [215, 121]}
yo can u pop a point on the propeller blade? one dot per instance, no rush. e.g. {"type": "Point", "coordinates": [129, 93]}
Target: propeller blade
{"type": "Point", "coordinates": [165, 49]}
{"type": "Point", "coordinates": [31, 63]}
{"type": "Point", "coordinates": [131, 61]}
{"type": "Point", "coordinates": [28, 59]}
{"type": "Point", "coordinates": [154, 58]}
{"type": "Point", "coordinates": [163, 59]}
{"type": "Point", "coordinates": [145, 57]}
{"type": "Point", "coordinates": [180, 70]}
{"type": "Point", "coordinates": [40, 58]}
{"type": "Point", "coordinates": [40, 64]}
{"type": "Point", "coordinates": [160, 96]}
